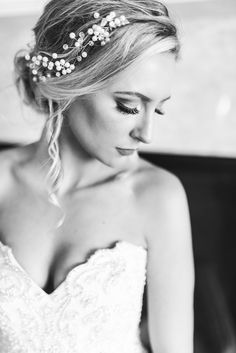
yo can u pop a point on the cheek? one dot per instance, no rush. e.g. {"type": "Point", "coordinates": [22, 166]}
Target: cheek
{"type": "Point", "coordinates": [96, 121]}
{"type": "Point", "coordinates": [101, 117]}
{"type": "Point", "coordinates": [89, 123]}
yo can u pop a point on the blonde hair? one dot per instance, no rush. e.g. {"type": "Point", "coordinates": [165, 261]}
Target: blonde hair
{"type": "Point", "coordinates": [150, 27]}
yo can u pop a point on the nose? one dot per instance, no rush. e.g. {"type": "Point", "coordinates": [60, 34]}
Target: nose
{"type": "Point", "coordinates": [143, 131]}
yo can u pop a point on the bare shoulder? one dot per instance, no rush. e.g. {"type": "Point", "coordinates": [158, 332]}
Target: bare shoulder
{"type": "Point", "coordinates": [154, 184]}
{"type": "Point", "coordinates": [162, 201]}
{"type": "Point", "coordinates": [170, 267]}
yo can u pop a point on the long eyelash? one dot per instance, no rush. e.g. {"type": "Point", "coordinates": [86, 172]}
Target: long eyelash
{"type": "Point", "coordinates": [159, 112]}
{"type": "Point", "coordinates": [125, 110]}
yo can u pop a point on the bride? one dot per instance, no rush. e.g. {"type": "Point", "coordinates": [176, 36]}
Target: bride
{"type": "Point", "coordinates": [85, 221]}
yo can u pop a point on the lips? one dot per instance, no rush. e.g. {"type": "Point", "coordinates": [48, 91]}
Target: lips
{"type": "Point", "coordinates": [126, 151]}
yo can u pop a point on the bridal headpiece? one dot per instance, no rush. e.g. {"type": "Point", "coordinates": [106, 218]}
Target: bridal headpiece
{"type": "Point", "coordinates": [44, 65]}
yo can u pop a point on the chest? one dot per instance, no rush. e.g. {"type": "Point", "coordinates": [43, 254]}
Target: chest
{"type": "Point", "coordinates": [94, 218]}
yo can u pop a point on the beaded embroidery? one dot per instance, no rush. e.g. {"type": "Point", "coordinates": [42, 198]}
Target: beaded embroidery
{"type": "Point", "coordinates": [45, 65]}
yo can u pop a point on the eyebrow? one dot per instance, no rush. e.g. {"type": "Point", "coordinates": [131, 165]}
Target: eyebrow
{"type": "Point", "coordinates": [140, 95]}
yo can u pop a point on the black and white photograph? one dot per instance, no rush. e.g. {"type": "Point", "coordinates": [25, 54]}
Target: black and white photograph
{"type": "Point", "coordinates": [118, 176]}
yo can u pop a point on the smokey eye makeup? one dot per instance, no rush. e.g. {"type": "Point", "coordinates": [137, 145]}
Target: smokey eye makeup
{"type": "Point", "coordinates": [133, 111]}
{"type": "Point", "coordinates": [159, 112]}
{"type": "Point", "coordinates": [126, 110]}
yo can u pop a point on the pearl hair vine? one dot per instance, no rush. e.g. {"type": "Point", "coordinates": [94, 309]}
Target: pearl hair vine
{"type": "Point", "coordinates": [44, 65]}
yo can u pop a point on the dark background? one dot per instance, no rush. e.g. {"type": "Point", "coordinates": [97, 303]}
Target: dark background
{"type": "Point", "coordinates": [210, 184]}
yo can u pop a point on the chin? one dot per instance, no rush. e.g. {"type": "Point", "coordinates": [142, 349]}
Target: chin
{"type": "Point", "coordinates": [109, 161]}
{"type": "Point", "coordinates": [112, 161]}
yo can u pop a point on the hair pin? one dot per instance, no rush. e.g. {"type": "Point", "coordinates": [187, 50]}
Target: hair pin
{"type": "Point", "coordinates": [45, 65]}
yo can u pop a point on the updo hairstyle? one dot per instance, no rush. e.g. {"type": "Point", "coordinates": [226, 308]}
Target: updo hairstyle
{"type": "Point", "coordinates": [149, 25]}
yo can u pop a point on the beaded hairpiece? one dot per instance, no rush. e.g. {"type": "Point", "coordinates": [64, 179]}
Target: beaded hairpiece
{"type": "Point", "coordinates": [44, 65]}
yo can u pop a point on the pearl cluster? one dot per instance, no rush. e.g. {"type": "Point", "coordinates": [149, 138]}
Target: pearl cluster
{"type": "Point", "coordinates": [43, 67]}
{"type": "Point", "coordinates": [96, 33]}
{"type": "Point", "coordinates": [54, 65]}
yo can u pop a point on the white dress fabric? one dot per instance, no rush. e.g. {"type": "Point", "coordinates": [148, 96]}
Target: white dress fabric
{"type": "Point", "coordinates": [96, 309]}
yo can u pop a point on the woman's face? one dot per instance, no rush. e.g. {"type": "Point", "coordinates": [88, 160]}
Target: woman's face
{"type": "Point", "coordinates": [112, 124]}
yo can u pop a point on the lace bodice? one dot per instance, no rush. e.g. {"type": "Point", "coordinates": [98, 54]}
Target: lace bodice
{"type": "Point", "coordinates": [96, 309]}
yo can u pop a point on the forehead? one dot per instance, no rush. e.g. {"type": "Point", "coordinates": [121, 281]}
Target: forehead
{"type": "Point", "coordinates": [152, 76]}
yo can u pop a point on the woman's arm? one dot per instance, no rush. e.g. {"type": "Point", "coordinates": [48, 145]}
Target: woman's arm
{"type": "Point", "coordinates": [170, 269]}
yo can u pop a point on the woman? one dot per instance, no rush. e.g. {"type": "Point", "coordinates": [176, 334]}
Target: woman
{"type": "Point", "coordinates": [85, 222]}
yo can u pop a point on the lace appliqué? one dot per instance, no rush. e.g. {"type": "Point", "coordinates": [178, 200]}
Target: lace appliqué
{"type": "Point", "coordinates": [97, 308]}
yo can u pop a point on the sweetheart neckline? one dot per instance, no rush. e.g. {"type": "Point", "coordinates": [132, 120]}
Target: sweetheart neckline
{"type": "Point", "coordinates": [73, 269]}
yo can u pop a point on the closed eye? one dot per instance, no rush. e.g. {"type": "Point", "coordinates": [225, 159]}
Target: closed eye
{"type": "Point", "coordinates": [126, 110]}
{"type": "Point", "coordinates": [159, 112]}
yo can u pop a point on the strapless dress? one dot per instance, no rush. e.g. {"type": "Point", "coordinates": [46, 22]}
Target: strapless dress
{"type": "Point", "coordinates": [96, 309]}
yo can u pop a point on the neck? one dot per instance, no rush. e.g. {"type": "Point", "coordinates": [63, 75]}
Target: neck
{"type": "Point", "coordinates": [80, 170]}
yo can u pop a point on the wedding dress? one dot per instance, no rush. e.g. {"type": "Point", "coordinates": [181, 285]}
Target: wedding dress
{"type": "Point", "coordinates": [96, 309]}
